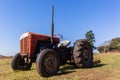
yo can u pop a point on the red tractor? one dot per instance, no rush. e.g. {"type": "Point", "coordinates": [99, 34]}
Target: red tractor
{"type": "Point", "coordinates": [49, 53]}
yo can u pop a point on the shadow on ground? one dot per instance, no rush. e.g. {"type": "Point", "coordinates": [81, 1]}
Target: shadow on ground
{"type": "Point", "coordinates": [98, 65]}
{"type": "Point", "coordinates": [71, 68]}
{"type": "Point", "coordinates": [67, 69]}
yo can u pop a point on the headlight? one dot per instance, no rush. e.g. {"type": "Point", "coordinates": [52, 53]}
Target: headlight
{"type": "Point", "coordinates": [24, 35]}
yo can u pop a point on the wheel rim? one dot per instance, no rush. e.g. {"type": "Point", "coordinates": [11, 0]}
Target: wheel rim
{"type": "Point", "coordinates": [20, 63]}
{"type": "Point", "coordinates": [86, 54]}
{"type": "Point", "coordinates": [50, 62]}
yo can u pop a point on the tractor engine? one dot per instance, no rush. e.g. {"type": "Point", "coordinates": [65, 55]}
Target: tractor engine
{"type": "Point", "coordinates": [31, 43]}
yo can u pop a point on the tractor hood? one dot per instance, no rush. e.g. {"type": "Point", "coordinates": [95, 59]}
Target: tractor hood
{"type": "Point", "coordinates": [36, 36]}
{"type": "Point", "coordinates": [24, 35]}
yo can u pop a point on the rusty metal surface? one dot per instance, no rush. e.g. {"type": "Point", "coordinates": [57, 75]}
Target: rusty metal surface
{"type": "Point", "coordinates": [24, 46]}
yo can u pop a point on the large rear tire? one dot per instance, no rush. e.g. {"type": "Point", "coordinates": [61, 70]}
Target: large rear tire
{"type": "Point", "coordinates": [47, 63]}
{"type": "Point", "coordinates": [18, 63]}
{"type": "Point", "coordinates": [83, 54]}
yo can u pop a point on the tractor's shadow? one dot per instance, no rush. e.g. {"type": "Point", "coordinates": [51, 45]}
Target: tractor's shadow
{"type": "Point", "coordinates": [72, 68]}
{"type": "Point", "coordinates": [99, 65]}
{"type": "Point", "coordinates": [67, 69]}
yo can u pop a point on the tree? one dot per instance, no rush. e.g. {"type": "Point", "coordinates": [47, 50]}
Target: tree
{"type": "Point", "coordinates": [89, 36]}
{"type": "Point", "coordinates": [115, 44]}
{"type": "Point", "coordinates": [104, 47]}
{"type": "Point", "coordinates": [101, 49]}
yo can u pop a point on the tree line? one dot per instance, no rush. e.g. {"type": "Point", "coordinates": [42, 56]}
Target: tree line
{"type": "Point", "coordinates": [113, 46]}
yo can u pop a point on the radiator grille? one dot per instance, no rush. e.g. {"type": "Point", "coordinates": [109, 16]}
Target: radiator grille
{"type": "Point", "coordinates": [23, 45]}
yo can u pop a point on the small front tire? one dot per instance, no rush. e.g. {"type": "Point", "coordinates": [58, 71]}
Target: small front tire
{"type": "Point", "coordinates": [18, 63]}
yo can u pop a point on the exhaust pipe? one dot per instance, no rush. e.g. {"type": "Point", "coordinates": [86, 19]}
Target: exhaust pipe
{"type": "Point", "coordinates": [52, 26]}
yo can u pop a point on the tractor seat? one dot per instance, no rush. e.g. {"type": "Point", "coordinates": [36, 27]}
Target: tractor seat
{"type": "Point", "coordinates": [64, 43]}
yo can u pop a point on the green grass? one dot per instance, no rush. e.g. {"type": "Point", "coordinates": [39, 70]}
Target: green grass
{"type": "Point", "coordinates": [108, 69]}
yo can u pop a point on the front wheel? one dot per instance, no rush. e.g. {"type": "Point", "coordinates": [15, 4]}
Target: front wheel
{"type": "Point", "coordinates": [47, 63]}
{"type": "Point", "coordinates": [18, 63]}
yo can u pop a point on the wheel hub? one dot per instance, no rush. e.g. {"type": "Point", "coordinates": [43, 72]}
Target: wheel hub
{"type": "Point", "coordinates": [50, 63]}
{"type": "Point", "coordinates": [86, 54]}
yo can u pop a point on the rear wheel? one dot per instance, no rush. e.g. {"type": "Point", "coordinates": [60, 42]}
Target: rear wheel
{"type": "Point", "coordinates": [18, 63]}
{"type": "Point", "coordinates": [83, 55]}
{"type": "Point", "coordinates": [47, 63]}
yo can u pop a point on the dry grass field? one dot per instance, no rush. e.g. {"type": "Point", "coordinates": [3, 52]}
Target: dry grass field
{"type": "Point", "coordinates": [108, 69]}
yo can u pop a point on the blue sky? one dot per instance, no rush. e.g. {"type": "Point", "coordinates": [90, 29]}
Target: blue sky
{"type": "Point", "coordinates": [73, 18]}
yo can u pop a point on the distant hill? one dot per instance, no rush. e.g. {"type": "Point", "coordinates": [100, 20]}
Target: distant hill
{"type": "Point", "coordinates": [1, 56]}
